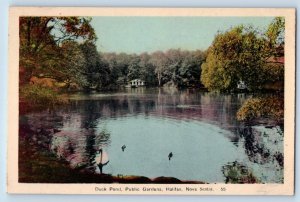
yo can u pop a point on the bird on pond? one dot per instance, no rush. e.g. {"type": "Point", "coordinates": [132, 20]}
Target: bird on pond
{"type": "Point", "coordinates": [123, 147]}
{"type": "Point", "coordinates": [170, 155]}
{"type": "Point", "coordinates": [100, 160]}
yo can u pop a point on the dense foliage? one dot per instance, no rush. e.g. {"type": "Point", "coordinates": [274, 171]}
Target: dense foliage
{"type": "Point", "coordinates": [63, 49]}
{"type": "Point", "coordinates": [176, 67]}
{"type": "Point", "coordinates": [45, 49]}
{"type": "Point", "coordinates": [244, 54]}
{"type": "Point", "coordinates": [262, 107]}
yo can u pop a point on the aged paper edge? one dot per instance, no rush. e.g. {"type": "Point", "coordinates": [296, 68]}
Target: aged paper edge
{"type": "Point", "coordinates": [13, 186]}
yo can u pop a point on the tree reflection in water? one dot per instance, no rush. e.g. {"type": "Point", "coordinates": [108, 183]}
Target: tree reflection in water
{"type": "Point", "coordinates": [73, 132]}
{"type": "Point", "coordinates": [263, 146]}
{"type": "Point", "coordinates": [79, 148]}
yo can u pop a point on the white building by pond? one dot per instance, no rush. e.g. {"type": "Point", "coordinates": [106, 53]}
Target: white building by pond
{"type": "Point", "coordinates": [241, 85]}
{"type": "Point", "coordinates": [136, 83]}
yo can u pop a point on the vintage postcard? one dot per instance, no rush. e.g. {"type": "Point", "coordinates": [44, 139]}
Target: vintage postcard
{"type": "Point", "coordinates": [163, 101]}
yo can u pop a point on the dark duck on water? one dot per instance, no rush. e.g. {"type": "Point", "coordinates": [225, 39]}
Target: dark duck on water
{"type": "Point", "coordinates": [170, 155]}
{"type": "Point", "coordinates": [123, 147]}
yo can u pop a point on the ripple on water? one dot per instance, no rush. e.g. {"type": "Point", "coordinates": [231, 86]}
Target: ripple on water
{"type": "Point", "coordinates": [199, 130]}
{"type": "Point", "coordinates": [196, 146]}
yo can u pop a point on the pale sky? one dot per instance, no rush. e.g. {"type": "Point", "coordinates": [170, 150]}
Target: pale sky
{"type": "Point", "coordinates": [149, 34]}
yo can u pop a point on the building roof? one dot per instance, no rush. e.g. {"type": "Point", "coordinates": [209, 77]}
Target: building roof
{"type": "Point", "coordinates": [136, 80]}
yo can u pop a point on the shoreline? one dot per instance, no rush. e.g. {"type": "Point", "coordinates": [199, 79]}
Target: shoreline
{"type": "Point", "coordinates": [43, 167]}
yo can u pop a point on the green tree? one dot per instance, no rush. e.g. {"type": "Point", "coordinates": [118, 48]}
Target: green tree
{"type": "Point", "coordinates": [95, 70]}
{"type": "Point", "coordinates": [243, 54]}
{"type": "Point", "coordinates": [188, 73]}
{"type": "Point", "coordinates": [160, 61]}
{"type": "Point", "coordinates": [72, 64]}
{"type": "Point", "coordinates": [171, 71]}
{"type": "Point", "coordinates": [275, 37]}
{"type": "Point", "coordinates": [147, 72]}
{"type": "Point", "coordinates": [123, 60]}
{"type": "Point", "coordinates": [115, 72]}
{"type": "Point", "coordinates": [133, 67]}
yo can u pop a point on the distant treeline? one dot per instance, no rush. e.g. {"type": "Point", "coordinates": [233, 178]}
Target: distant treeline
{"type": "Point", "coordinates": [60, 52]}
{"type": "Point", "coordinates": [174, 67]}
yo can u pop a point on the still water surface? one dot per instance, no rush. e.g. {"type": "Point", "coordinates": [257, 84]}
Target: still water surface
{"type": "Point", "coordinates": [200, 129]}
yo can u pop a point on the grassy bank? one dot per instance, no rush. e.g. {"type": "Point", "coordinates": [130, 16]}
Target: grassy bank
{"type": "Point", "coordinates": [33, 97]}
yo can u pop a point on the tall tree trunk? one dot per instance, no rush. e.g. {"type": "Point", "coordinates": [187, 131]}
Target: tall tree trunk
{"type": "Point", "coordinates": [159, 78]}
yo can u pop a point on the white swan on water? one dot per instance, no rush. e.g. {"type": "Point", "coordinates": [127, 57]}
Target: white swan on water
{"type": "Point", "coordinates": [101, 159]}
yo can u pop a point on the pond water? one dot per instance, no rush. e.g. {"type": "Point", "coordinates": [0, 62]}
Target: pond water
{"type": "Point", "coordinates": [199, 129]}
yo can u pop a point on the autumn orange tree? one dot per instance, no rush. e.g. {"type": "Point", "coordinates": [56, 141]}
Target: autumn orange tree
{"type": "Point", "coordinates": [44, 45]}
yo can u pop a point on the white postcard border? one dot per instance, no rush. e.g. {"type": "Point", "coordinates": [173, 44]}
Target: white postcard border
{"type": "Point", "coordinates": [13, 186]}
